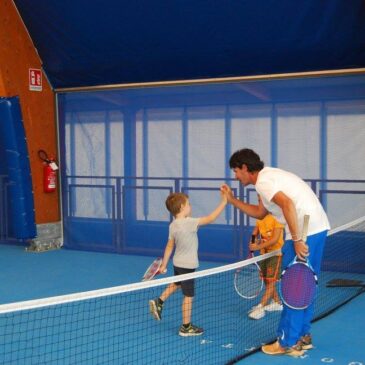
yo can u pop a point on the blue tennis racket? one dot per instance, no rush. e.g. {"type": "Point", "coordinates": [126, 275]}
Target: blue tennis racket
{"type": "Point", "coordinates": [298, 282]}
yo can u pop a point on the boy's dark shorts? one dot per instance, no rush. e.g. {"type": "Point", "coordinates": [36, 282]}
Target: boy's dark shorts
{"type": "Point", "coordinates": [271, 268]}
{"type": "Point", "coordinates": [187, 286]}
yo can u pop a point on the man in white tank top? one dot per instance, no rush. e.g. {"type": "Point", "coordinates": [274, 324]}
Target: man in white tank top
{"type": "Point", "coordinates": [288, 198]}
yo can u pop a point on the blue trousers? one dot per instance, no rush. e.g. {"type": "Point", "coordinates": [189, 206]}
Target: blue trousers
{"type": "Point", "coordinates": [295, 323]}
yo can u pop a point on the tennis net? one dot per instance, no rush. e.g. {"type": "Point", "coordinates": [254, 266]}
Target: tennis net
{"type": "Point", "coordinates": [343, 270]}
{"type": "Point", "coordinates": [114, 326]}
{"type": "Point", "coordinates": [341, 279]}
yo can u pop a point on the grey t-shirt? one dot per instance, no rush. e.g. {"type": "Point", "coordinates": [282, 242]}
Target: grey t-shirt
{"type": "Point", "coordinates": [184, 232]}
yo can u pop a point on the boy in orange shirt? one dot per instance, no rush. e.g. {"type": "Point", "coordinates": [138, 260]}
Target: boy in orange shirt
{"type": "Point", "coordinates": [271, 233]}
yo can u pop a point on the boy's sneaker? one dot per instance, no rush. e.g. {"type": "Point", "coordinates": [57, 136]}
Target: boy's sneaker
{"type": "Point", "coordinates": [273, 306]}
{"type": "Point", "coordinates": [257, 312]}
{"type": "Point", "coordinates": [155, 309]}
{"type": "Point", "coordinates": [190, 331]}
{"type": "Point", "coordinates": [306, 342]}
{"type": "Point", "coordinates": [276, 349]}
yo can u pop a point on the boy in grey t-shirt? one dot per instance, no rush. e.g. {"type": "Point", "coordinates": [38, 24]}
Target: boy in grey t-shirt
{"type": "Point", "coordinates": [184, 238]}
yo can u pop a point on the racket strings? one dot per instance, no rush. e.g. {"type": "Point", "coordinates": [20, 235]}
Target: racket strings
{"type": "Point", "coordinates": [152, 270]}
{"type": "Point", "coordinates": [248, 281]}
{"type": "Point", "coordinates": [298, 286]}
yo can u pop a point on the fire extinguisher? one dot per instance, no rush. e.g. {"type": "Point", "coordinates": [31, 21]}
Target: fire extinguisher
{"type": "Point", "coordinates": [49, 172]}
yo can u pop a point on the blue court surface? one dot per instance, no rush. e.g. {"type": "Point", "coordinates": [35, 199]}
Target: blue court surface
{"type": "Point", "coordinates": [339, 338]}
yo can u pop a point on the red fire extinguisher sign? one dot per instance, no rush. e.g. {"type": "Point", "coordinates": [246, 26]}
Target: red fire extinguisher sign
{"type": "Point", "coordinates": [35, 79]}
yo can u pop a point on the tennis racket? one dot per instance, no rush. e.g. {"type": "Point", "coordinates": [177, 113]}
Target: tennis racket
{"type": "Point", "coordinates": [248, 280]}
{"type": "Point", "coordinates": [153, 269]}
{"type": "Point", "coordinates": [298, 282]}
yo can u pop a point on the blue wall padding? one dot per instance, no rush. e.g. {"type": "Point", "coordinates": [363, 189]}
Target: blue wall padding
{"type": "Point", "coordinates": [13, 141]}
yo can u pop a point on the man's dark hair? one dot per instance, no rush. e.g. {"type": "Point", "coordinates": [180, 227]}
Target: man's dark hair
{"type": "Point", "coordinates": [246, 157]}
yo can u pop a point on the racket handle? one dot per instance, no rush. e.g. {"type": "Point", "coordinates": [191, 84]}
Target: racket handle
{"type": "Point", "coordinates": [300, 260]}
{"type": "Point", "coordinates": [305, 227]}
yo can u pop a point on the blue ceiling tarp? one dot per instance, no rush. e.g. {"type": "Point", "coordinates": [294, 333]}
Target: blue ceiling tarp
{"type": "Point", "coordinates": [89, 43]}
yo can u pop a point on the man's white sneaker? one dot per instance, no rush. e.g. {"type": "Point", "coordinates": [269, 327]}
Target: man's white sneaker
{"type": "Point", "coordinates": [257, 312]}
{"type": "Point", "coordinates": [273, 306]}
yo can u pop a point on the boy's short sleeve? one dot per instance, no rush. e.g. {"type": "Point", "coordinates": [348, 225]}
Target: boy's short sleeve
{"type": "Point", "coordinates": [193, 224]}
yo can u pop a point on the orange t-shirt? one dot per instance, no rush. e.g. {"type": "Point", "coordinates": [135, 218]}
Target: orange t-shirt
{"type": "Point", "coordinates": [266, 228]}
